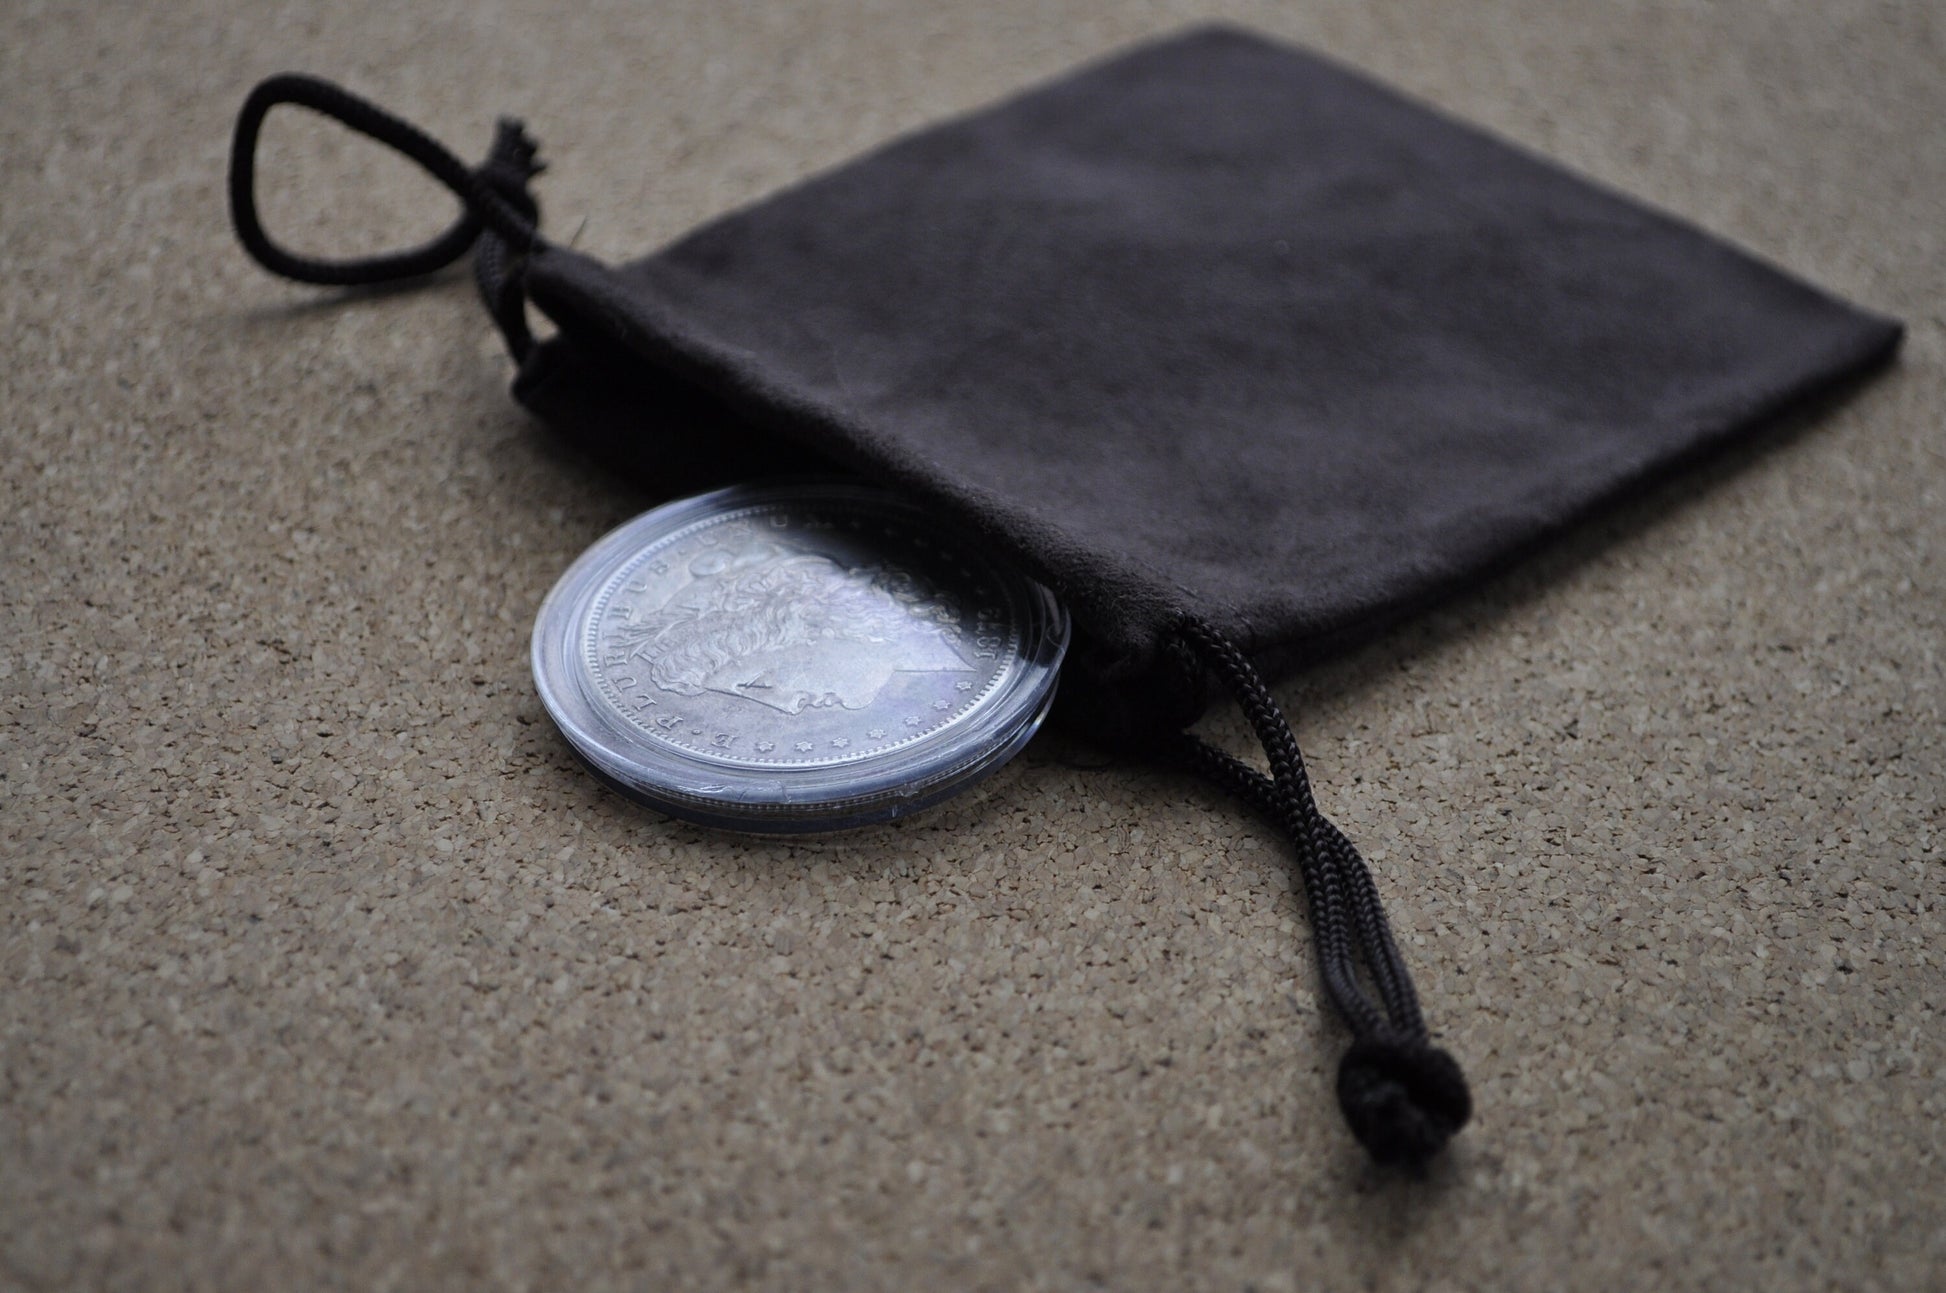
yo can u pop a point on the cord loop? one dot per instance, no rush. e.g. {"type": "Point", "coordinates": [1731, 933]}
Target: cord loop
{"type": "Point", "coordinates": [499, 213]}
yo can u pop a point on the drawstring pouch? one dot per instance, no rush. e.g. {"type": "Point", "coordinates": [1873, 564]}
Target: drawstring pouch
{"type": "Point", "coordinates": [1241, 354]}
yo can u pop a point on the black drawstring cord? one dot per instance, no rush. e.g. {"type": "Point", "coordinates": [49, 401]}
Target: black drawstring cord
{"type": "Point", "coordinates": [494, 195]}
{"type": "Point", "coordinates": [1403, 1097]}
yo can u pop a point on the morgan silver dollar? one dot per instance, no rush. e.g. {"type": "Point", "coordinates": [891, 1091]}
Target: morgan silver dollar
{"type": "Point", "coordinates": [800, 657]}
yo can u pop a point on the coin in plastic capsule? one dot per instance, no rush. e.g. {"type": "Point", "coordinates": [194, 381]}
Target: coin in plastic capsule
{"type": "Point", "coordinates": [798, 657]}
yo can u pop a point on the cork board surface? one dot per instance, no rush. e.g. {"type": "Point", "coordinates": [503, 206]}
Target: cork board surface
{"type": "Point", "coordinates": [325, 966]}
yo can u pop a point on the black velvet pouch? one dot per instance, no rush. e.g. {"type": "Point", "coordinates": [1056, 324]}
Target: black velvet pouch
{"type": "Point", "coordinates": [1239, 352]}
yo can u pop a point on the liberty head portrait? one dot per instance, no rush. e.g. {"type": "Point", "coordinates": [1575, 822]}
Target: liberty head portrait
{"type": "Point", "coordinates": [790, 630]}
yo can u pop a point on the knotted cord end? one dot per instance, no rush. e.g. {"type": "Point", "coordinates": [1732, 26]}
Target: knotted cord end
{"type": "Point", "coordinates": [513, 162]}
{"type": "Point", "coordinates": [512, 144]}
{"type": "Point", "coordinates": [1403, 1100]}
{"type": "Point", "coordinates": [1403, 1097]}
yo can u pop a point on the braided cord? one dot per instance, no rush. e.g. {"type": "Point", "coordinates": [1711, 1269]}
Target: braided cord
{"type": "Point", "coordinates": [1403, 1097]}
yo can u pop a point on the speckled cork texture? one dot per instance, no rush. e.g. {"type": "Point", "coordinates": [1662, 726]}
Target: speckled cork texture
{"type": "Point", "coordinates": [326, 966]}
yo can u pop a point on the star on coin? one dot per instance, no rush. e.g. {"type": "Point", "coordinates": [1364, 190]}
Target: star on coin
{"type": "Point", "coordinates": [802, 747]}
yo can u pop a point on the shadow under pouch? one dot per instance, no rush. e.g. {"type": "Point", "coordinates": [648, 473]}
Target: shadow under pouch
{"type": "Point", "coordinates": [1238, 353]}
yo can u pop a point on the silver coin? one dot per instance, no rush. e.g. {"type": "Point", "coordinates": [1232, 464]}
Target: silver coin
{"type": "Point", "coordinates": [795, 657]}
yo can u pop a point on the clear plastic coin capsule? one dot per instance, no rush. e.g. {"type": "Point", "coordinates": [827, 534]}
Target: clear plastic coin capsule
{"type": "Point", "coordinates": [798, 657]}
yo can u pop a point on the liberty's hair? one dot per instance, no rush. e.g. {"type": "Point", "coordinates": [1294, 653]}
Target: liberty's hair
{"type": "Point", "coordinates": [724, 615]}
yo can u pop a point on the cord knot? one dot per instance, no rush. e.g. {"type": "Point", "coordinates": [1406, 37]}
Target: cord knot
{"type": "Point", "coordinates": [512, 162]}
{"type": "Point", "coordinates": [1403, 1099]}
